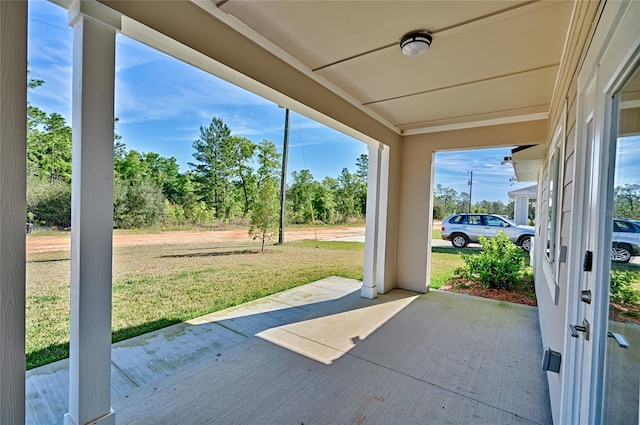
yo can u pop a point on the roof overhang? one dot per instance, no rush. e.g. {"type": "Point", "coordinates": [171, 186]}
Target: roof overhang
{"type": "Point", "coordinates": [491, 62]}
{"type": "Point", "coordinates": [528, 161]}
{"type": "Point", "coordinates": [530, 192]}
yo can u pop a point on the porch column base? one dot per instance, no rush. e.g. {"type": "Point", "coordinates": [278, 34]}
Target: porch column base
{"type": "Point", "coordinates": [369, 292]}
{"type": "Point", "coordinates": [108, 419]}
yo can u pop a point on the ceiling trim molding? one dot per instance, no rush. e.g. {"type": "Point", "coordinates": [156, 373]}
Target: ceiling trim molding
{"type": "Point", "coordinates": [238, 26]}
{"type": "Point", "coordinates": [475, 124]}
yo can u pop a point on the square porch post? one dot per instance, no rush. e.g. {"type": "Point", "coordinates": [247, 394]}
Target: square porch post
{"type": "Point", "coordinates": [415, 217]}
{"type": "Point", "coordinates": [13, 177]}
{"type": "Point", "coordinates": [521, 210]}
{"type": "Point", "coordinates": [94, 32]}
{"type": "Point", "coordinates": [376, 224]}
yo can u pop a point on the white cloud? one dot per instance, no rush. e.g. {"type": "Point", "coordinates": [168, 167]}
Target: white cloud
{"type": "Point", "coordinates": [168, 91]}
{"type": "Point", "coordinates": [490, 179]}
{"type": "Point", "coordinates": [130, 53]}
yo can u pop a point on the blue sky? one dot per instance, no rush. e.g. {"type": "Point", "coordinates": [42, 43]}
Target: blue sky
{"type": "Point", "coordinates": [162, 102]}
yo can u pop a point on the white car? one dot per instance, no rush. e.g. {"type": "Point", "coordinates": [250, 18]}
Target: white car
{"type": "Point", "coordinates": [625, 241]}
{"type": "Point", "coordinates": [461, 229]}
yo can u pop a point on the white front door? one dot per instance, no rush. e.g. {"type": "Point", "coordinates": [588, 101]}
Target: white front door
{"type": "Point", "coordinates": [607, 320]}
{"type": "Point", "coordinates": [622, 358]}
{"type": "Point", "coordinates": [602, 375]}
{"type": "Point", "coordinates": [582, 327]}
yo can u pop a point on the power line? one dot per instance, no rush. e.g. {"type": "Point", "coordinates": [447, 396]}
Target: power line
{"type": "Point", "coordinates": [304, 161]}
{"type": "Point", "coordinates": [69, 29]}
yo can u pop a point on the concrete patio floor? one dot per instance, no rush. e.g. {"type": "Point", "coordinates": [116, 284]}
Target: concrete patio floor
{"type": "Point", "coordinates": [321, 354]}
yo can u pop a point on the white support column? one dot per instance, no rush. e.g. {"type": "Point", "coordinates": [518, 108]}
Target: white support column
{"type": "Point", "coordinates": [381, 217]}
{"type": "Point", "coordinates": [413, 260]}
{"type": "Point", "coordinates": [13, 166]}
{"type": "Point", "coordinates": [372, 232]}
{"type": "Point", "coordinates": [521, 210]}
{"type": "Point", "coordinates": [94, 32]}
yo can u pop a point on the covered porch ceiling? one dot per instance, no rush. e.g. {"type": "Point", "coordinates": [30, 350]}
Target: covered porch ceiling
{"type": "Point", "coordinates": [339, 62]}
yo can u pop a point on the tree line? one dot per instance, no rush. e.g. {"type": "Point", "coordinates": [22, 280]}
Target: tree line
{"type": "Point", "coordinates": [231, 179]}
{"type": "Point", "coordinates": [447, 201]}
{"type": "Point", "coordinates": [626, 201]}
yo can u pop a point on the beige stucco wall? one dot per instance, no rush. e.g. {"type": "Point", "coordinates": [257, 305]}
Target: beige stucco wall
{"type": "Point", "coordinates": [415, 197]}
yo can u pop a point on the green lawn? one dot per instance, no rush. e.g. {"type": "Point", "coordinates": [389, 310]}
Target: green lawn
{"type": "Point", "coordinates": [444, 261]}
{"type": "Point", "coordinates": [158, 285]}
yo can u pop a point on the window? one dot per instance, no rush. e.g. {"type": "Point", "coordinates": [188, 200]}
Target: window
{"type": "Point", "coordinates": [459, 219]}
{"type": "Point", "coordinates": [623, 226]}
{"type": "Point", "coordinates": [495, 221]}
{"type": "Point", "coordinates": [473, 219]}
{"type": "Point", "coordinates": [550, 232]}
{"type": "Point", "coordinates": [552, 204]}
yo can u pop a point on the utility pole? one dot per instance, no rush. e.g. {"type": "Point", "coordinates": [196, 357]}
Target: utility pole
{"type": "Point", "coordinates": [283, 177]}
{"type": "Point", "coordinates": [470, 182]}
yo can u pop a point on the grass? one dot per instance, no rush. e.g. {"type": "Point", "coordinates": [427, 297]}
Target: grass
{"type": "Point", "coordinates": [158, 285]}
{"type": "Point", "coordinates": [444, 261]}
{"type": "Point", "coordinates": [42, 231]}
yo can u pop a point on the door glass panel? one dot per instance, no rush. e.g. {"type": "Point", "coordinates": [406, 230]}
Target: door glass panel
{"type": "Point", "coordinates": [622, 392]}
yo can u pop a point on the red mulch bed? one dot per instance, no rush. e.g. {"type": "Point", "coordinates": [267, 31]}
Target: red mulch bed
{"type": "Point", "coordinates": [624, 313]}
{"type": "Point", "coordinates": [477, 289]}
{"type": "Point", "coordinates": [618, 312]}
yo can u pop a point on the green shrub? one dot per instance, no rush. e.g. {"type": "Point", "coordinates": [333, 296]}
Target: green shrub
{"type": "Point", "coordinates": [499, 265]}
{"type": "Point", "coordinates": [137, 203]}
{"type": "Point", "coordinates": [49, 203]}
{"type": "Point", "coordinates": [622, 290]}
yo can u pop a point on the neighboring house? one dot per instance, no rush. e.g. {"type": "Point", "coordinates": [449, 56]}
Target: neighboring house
{"type": "Point", "coordinates": [553, 74]}
{"type": "Point", "coordinates": [522, 199]}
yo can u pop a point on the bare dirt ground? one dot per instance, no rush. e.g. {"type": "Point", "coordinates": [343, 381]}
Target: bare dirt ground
{"type": "Point", "coordinates": [39, 244]}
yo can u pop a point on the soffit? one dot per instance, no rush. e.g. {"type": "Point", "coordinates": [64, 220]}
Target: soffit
{"type": "Point", "coordinates": [527, 162]}
{"type": "Point", "coordinates": [488, 58]}
{"type": "Point", "coordinates": [500, 97]}
{"type": "Point", "coordinates": [491, 61]}
{"type": "Point", "coordinates": [319, 33]}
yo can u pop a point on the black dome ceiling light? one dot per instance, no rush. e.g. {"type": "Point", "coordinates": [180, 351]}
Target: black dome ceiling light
{"type": "Point", "coordinates": [415, 43]}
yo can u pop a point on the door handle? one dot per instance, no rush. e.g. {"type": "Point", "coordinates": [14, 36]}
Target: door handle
{"type": "Point", "coordinates": [622, 342]}
{"type": "Point", "coordinates": [584, 328]}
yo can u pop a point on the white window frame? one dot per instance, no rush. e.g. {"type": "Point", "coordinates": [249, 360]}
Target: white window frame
{"type": "Point", "coordinates": [550, 227]}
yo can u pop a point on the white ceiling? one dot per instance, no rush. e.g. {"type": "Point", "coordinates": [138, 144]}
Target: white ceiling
{"type": "Point", "coordinates": [339, 61]}
{"type": "Point", "coordinates": [489, 60]}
